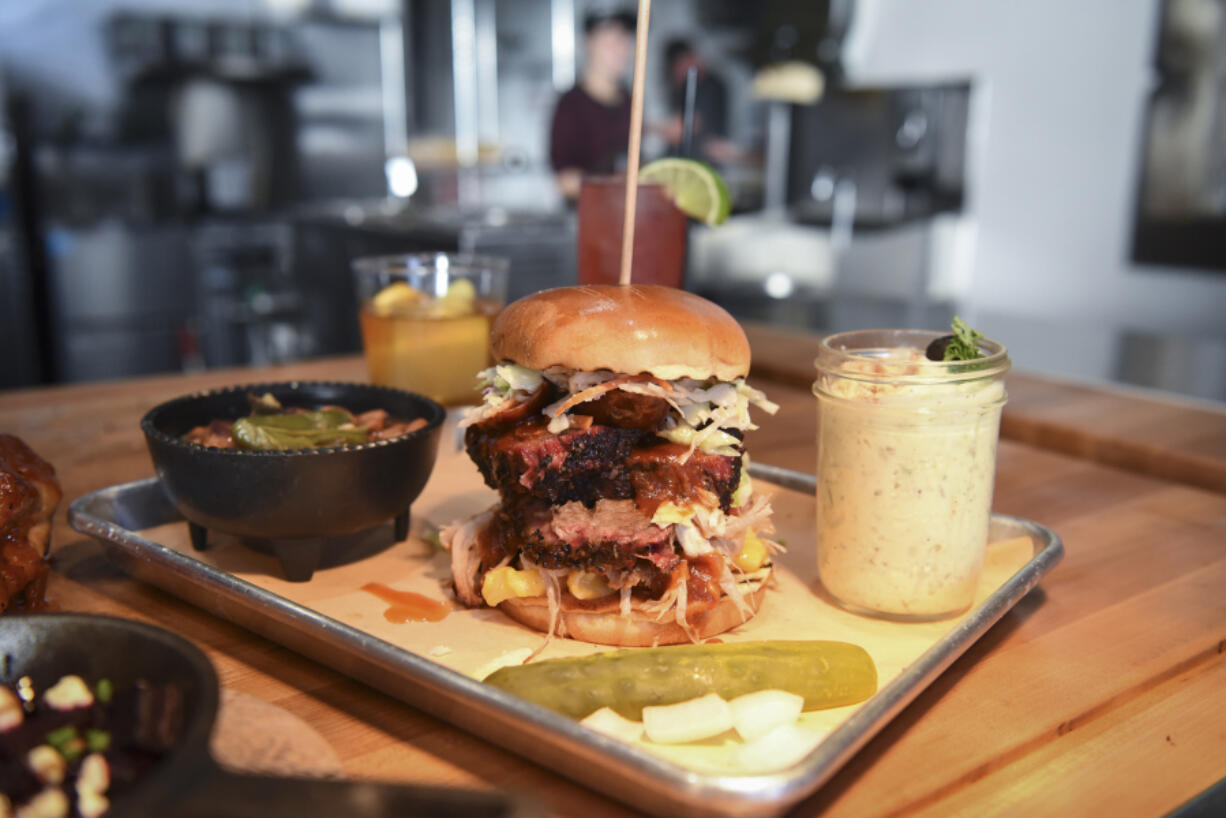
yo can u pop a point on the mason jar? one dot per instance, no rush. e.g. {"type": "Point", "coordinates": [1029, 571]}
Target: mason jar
{"type": "Point", "coordinates": [906, 460]}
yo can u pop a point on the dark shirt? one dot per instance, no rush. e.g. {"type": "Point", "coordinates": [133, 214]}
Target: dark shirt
{"type": "Point", "coordinates": [589, 135]}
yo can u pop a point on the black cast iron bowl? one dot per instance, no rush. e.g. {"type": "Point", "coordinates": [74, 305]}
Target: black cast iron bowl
{"type": "Point", "coordinates": [187, 783]}
{"type": "Point", "coordinates": [46, 647]}
{"type": "Point", "coordinates": [305, 493]}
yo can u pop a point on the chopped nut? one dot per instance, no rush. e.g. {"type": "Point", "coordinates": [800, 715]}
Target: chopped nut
{"type": "Point", "coordinates": [25, 692]}
{"type": "Point", "coordinates": [68, 693]}
{"type": "Point", "coordinates": [10, 713]}
{"type": "Point", "coordinates": [46, 763]}
{"type": "Point", "coordinates": [95, 775]}
{"type": "Point", "coordinates": [50, 803]}
{"type": "Point", "coordinates": [92, 781]}
{"type": "Point", "coordinates": [92, 804]}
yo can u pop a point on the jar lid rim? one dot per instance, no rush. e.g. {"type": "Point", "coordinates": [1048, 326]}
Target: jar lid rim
{"type": "Point", "coordinates": [837, 351]}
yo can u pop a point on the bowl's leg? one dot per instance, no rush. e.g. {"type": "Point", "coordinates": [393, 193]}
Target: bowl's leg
{"type": "Point", "coordinates": [199, 535]}
{"type": "Point", "coordinates": [402, 526]}
{"type": "Point", "coordinates": [299, 558]}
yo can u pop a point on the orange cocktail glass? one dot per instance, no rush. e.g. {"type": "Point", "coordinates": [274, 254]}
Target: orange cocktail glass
{"type": "Point", "coordinates": [426, 320]}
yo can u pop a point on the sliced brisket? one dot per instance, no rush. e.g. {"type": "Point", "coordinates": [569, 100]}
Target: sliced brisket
{"type": "Point", "coordinates": [612, 538]}
{"type": "Point", "coordinates": [583, 465]}
{"type": "Point", "coordinates": [600, 462]}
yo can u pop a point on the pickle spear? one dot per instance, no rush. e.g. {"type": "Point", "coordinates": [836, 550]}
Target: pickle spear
{"type": "Point", "coordinates": [302, 430]}
{"type": "Point", "coordinates": [826, 674]}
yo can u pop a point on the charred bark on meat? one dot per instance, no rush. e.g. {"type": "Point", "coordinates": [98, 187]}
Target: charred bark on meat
{"type": "Point", "coordinates": [598, 463]}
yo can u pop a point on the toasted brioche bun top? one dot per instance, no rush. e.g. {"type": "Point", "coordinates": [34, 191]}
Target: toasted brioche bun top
{"type": "Point", "coordinates": [638, 328]}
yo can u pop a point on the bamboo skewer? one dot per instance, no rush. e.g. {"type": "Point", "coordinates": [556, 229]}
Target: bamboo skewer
{"type": "Point", "coordinates": [636, 137]}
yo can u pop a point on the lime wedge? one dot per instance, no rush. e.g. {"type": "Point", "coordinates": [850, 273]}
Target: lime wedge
{"type": "Point", "coordinates": [695, 187]}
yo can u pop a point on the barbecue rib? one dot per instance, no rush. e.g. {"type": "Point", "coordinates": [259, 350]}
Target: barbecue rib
{"type": "Point", "coordinates": [29, 494]}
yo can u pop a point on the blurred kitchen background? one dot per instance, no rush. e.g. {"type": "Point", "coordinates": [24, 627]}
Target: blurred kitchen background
{"type": "Point", "coordinates": [182, 184]}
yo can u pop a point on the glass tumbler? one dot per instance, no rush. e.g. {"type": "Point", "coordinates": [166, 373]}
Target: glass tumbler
{"type": "Point", "coordinates": [426, 320]}
{"type": "Point", "coordinates": [659, 234]}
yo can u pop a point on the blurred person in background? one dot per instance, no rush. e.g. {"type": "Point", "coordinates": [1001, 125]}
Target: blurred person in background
{"type": "Point", "coordinates": [591, 122]}
{"type": "Point", "coordinates": [710, 141]}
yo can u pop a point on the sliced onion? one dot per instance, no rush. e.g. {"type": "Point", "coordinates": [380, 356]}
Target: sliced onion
{"type": "Point", "coordinates": [694, 720]}
{"type": "Point", "coordinates": [608, 721]}
{"type": "Point", "coordinates": [756, 714]}
{"type": "Point", "coordinates": [777, 750]}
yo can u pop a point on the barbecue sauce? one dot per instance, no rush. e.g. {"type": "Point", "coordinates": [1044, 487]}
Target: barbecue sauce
{"type": "Point", "coordinates": [626, 410]}
{"type": "Point", "coordinates": [406, 606]}
{"type": "Point", "coordinates": [701, 577]}
{"type": "Point", "coordinates": [658, 475]}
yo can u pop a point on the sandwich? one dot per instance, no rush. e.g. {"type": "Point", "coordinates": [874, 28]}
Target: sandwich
{"type": "Point", "coordinates": [612, 427]}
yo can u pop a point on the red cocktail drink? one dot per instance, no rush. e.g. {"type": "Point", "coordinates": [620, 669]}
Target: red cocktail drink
{"type": "Point", "coordinates": [659, 234]}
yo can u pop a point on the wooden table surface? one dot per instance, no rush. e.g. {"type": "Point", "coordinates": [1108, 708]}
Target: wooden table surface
{"type": "Point", "coordinates": [1100, 693]}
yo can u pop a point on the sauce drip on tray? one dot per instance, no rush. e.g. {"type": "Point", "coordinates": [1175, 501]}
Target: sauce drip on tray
{"type": "Point", "coordinates": [407, 606]}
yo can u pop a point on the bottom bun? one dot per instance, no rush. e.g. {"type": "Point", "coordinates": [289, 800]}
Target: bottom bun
{"type": "Point", "coordinates": [638, 630]}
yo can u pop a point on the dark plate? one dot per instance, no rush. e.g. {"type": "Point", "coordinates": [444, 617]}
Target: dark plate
{"type": "Point", "coordinates": [187, 783]}
{"type": "Point", "coordinates": [306, 493]}
{"type": "Point", "coordinates": [46, 647]}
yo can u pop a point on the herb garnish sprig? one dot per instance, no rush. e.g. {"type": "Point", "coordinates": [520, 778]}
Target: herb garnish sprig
{"type": "Point", "coordinates": [963, 345]}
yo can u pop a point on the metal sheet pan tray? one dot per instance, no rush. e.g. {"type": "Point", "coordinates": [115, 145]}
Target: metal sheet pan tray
{"type": "Point", "coordinates": [142, 532]}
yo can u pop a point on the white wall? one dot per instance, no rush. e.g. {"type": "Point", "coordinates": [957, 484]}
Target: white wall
{"type": "Point", "coordinates": [1053, 154]}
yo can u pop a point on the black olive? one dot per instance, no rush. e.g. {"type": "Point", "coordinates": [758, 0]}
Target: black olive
{"type": "Point", "coordinates": [936, 350]}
